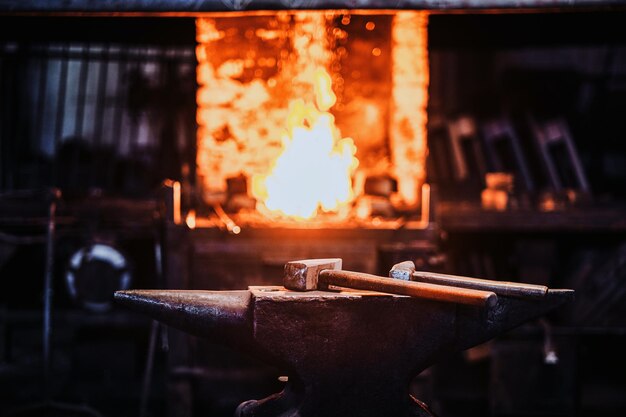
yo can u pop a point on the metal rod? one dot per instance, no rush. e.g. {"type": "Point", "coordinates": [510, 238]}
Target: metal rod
{"type": "Point", "coordinates": [101, 95]}
{"type": "Point", "coordinates": [47, 310]}
{"type": "Point", "coordinates": [40, 105]}
{"type": "Point", "coordinates": [97, 56]}
{"type": "Point", "coordinates": [22, 116]}
{"type": "Point", "coordinates": [122, 67]}
{"type": "Point", "coordinates": [361, 281]}
{"type": "Point", "coordinates": [60, 116]}
{"type": "Point", "coordinates": [82, 91]}
{"type": "Point", "coordinates": [231, 226]}
{"type": "Point", "coordinates": [176, 212]}
{"type": "Point", "coordinates": [41, 97]}
{"type": "Point", "coordinates": [147, 376]}
{"type": "Point", "coordinates": [116, 128]}
{"type": "Point", "coordinates": [510, 289]}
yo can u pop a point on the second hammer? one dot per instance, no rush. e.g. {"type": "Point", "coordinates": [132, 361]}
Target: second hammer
{"type": "Point", "coordinates": [313, 274]}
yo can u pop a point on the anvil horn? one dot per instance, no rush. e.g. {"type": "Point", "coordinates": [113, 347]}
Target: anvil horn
{"type": "Point", "coordinates": [506, 315]}
{"type": "Point", "coordinates": [221, 315]}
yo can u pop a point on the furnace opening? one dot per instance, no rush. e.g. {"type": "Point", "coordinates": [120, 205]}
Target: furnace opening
{"type": "Point", "coordinates": [316, 117]}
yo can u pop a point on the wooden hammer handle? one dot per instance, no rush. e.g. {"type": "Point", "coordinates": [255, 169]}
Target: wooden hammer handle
{"type": "Point", "coordinates": [361, 281]}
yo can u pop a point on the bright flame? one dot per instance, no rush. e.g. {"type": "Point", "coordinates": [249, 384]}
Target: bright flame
{"type": "Point", "coordinates": [314, 170]}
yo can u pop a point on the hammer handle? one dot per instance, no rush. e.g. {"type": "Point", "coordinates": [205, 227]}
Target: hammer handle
{"type": "Point", "coordinates": [361, 281]}
{"type": "Point", "coordinates": [510, 289]}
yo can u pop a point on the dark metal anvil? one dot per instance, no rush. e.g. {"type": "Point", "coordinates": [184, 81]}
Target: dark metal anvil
{"type": "Point", "coordinates": [346, 353]}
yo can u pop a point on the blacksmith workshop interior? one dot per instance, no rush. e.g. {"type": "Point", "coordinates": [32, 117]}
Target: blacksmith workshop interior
{"type": "Point", "coordinates": [312, 208]}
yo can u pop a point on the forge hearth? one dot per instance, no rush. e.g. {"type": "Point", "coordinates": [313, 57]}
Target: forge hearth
{"type": "Point", "coordinates": [307, 110]}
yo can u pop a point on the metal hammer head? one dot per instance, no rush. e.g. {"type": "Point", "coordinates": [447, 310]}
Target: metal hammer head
{"type": "Point", "coordinates": [302, 275]}
{"type": "Point", "coordinates": [403, 270]}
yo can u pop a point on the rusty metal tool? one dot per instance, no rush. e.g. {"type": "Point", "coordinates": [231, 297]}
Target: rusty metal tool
{"type": "Point", "coordinates": [313, 274]}
{"type": "Point", "coordinates": [346, 353]}
{"type": "Point", "coordinates": [405, 271]}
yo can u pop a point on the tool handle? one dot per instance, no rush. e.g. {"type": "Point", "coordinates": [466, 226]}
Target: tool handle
{"type": "Point", "coordinates": [509, 289]}
{"type": "Point", "coordinates": [361, 281]}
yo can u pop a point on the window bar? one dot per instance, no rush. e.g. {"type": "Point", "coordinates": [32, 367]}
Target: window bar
{"type": "Point", "coordinates": [122, 65]}
{"type": "Point", "coordinates": [134, 114]}
{"type": "Point", "coordinates": [101, 95]}
{"type": "Point", "coordinates": [21, 139]}
{"type": "Point", "coordinates": [12, 101]}
{"type": "Point", "coordinates": [82, 92]}
{"type": "Point", "coordinates": [101, 91]}
{"type": "Point", "coordinates": [40, 105]}
{"type": "Point", "coordinates": [60, 114]}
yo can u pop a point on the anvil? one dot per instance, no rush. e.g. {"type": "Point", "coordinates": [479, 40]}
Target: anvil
{"type": "Point", "coordinates": [346, 353]}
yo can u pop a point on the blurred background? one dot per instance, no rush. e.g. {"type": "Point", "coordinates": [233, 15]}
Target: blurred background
{"type": "Point", "coordinates": [137, 151]}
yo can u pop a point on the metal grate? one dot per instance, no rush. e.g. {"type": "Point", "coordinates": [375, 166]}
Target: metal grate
{"type": "Point", "coordinates": [95, 115]}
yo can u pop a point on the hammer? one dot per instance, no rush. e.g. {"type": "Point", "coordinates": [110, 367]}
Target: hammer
{"type": "Point", "coordinates": [406, 271]}
{"type": "Point", "coordinates": [318, 274]}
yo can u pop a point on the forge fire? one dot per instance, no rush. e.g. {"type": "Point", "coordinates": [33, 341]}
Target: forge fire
{"type": "Point", "coordinates": [304, 109]}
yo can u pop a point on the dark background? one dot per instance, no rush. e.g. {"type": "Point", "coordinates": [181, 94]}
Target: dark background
{"type": "Point", "coordinates": [513, 67]}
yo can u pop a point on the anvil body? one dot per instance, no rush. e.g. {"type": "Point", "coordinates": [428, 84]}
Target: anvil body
{"type": "Point", "coordinates": [346, 353]}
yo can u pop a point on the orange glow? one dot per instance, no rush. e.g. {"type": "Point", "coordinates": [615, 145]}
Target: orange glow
{"type": "Point", "coordinates": [191, 219]}
{"type": "Point", "coordinates": [176, 203]}
{"type": "Point", "coordinates": [264, 112]}
{"type": "Point", "coordinates": [409, 100]}
{"type": "Point", "coordinates": [314, 170]}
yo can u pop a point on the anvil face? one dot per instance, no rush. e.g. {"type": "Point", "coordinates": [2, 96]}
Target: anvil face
{"type": "Point", "coordinates": [345, 352]}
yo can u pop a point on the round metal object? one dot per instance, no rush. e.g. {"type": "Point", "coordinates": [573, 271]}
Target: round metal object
{"type": "Point", "coordinates": [93, 275]}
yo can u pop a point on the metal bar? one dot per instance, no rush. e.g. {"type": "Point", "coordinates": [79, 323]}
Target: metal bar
{"type": "Point", "coordinates": [21, 114]}
{"type": "Point", "coordinates": [19, 117]}
{"type": "Point", "coordinates": [116, 125]}
{"type": "Point", "coordinates": [40, 105]}
{"type": "Point", "coordinates": [47, 310]}
{"type": "Point", "coordinates": [147, 376]}
{"type": "Point", "coordinates": [122, 66]}
{"type": "Point", "coordinates": [41, 97]}
{"type": "Point", "coordinates": [101, 91]}
{"type": "Point", "coordinates": [98, 56]}
{"type": "Point", "coordinates": [510, 289]}
{"type": "Point", "coordinates": [543, 141]}
{"type": "Point", "coordinates": [230, 225]}
{"type": "Point", "coordinates": [195, 6]}
{"type": "Point", "coordinates": [82, 92]}
{"type": "Point", "coordinates": [521, 163]}
{"type": "Point", "coordinates": [361, 281]}
{"type": "Point", "coordinates": [500, 131]}
{"type": "Point", "coordinates": [60, 116]}
{"type": "Point", "coordinates": [573, 156]}
{"type": "Point", "coordinates": [134, 118]}
{"type": "Point", "coordinates": [101, 95]}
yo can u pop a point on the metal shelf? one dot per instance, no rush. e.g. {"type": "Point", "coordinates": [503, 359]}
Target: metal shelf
{"type": "Point", "coordinates": [472, 218]}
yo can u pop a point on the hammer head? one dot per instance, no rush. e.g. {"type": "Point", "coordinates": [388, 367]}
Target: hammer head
{"type": "Point", "coordinates": [302, 275]}
{"type": "Point", "coordinates": [403, 270]}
